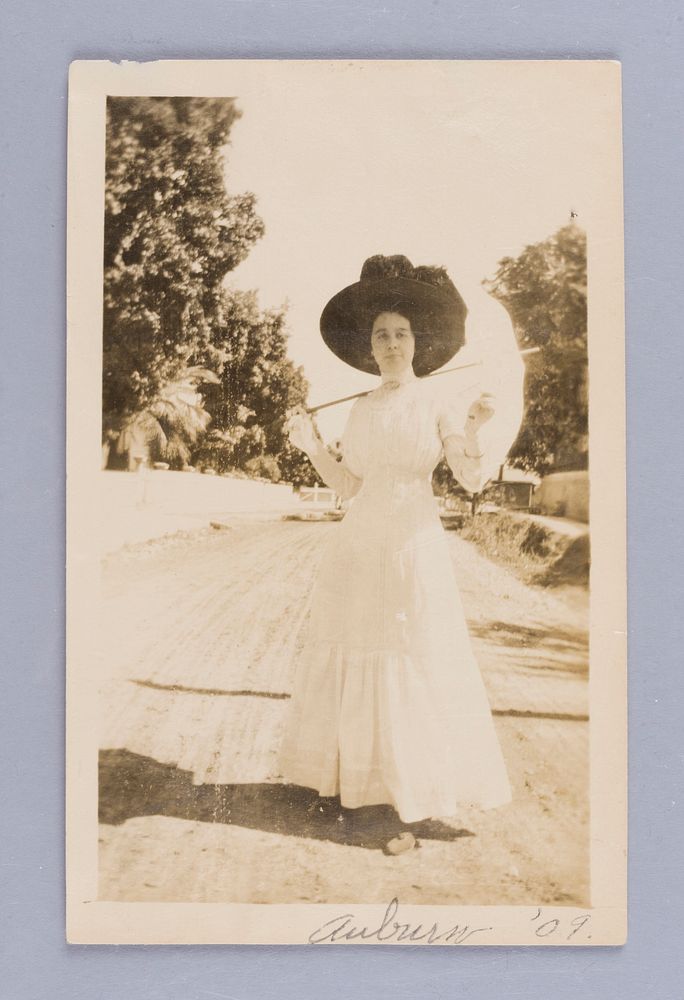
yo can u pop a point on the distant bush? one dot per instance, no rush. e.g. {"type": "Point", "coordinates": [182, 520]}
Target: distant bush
{"type": "Point", "coordinates": [263, 467]}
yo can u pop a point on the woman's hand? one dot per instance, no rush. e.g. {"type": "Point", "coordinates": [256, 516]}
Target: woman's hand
{"type": "Point", "coordinates": [480, 412]}
{"type": "Point", "coordinates": [302, 431]}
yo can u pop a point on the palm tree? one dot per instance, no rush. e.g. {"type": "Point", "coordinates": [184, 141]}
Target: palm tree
{"type": "Point", "coordinates": [171, 423]}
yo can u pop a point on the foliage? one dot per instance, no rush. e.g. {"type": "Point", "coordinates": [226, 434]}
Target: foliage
{"type": "Point", "coordinates": [296, 468]}
{"type": "Point", "coordinates": [257, 387]}
{"type": "Point", "coordinates": [172, 421]}
{"type": "Point", "coordinates": [263, 467]}
{"type": "Point", "coordinates": [534, 552]}
{"type": "Point", "coordinates": [214, 451]}
{"type": "Point", "coordinates": [545, 292]}
{"type": "Point", "coordinates": [444, 483]}
{"type": "Point", "coordinates": [171, 234]}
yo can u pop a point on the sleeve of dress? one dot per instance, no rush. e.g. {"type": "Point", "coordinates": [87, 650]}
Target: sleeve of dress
{"type": "Point", "coordinates": [474, 458]}
{"type": "Point", "coordinates": [491, 336]}
{"type": "Point", "coordinates": [334, 474]}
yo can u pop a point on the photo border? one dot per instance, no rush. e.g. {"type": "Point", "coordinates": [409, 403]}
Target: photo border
{"type": "Point", "coordinates": [93, 921]}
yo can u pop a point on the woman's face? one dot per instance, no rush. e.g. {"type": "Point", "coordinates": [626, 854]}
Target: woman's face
{"type": "Point", "coordinates": [392, 343]}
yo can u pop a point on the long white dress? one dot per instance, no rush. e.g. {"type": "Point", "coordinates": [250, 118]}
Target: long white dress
{"type": "Point", "coordinates": [388, 703]}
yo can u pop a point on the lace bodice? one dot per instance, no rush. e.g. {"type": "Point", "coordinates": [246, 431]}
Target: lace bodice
{"type": "Point", "coordinates": [397, 435]}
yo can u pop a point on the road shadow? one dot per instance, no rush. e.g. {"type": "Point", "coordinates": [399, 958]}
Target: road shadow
{"type": "Point", "coordinates": [554, 648]}
{"type": "Point", "coordinates": [132, 785]}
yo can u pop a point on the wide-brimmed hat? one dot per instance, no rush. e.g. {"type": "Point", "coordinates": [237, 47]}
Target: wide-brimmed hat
{"type": "Point", "coordinates": [425, 295]}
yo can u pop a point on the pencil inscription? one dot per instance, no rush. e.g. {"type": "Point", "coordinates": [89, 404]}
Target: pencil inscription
{"type": "Point", "coordinates": [344, 928]}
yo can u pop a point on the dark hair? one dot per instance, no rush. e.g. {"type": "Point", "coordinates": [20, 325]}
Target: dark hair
{"type": "Point", "coordinates": [391, 307]}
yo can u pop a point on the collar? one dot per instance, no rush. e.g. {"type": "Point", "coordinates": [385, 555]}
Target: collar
{"type": "Point", "coordinates": [394, 381]}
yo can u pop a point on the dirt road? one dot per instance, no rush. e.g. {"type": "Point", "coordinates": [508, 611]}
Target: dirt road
{"type": "Point", "coordinates": [200, 635]}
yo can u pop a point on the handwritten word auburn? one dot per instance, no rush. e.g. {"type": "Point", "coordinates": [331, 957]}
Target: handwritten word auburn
{"type": "Point", "coordinates": [343, 928]}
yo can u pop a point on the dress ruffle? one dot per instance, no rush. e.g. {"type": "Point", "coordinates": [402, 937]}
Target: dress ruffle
{"type": "Point", "coordinates": [369, 726]}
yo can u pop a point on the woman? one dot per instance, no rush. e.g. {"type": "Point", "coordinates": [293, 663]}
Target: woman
{"type": "Point", "coordinates": [388, 703]}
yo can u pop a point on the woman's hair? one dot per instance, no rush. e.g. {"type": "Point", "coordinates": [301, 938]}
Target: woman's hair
{"type": "Point", "coordinates": [399, 310]}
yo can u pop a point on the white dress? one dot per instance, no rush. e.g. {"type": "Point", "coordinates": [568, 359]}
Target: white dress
{"type": "Point", "coordinates": [388, 703]}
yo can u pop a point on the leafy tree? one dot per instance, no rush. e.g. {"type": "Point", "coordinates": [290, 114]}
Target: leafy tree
{"type": "Point", "coordinates": [264, 467]}
{"type": "Point", "coordinates": [444, 483]}
{"type": "Point", "coordinates": [258, 385]}
{"type": "Point", "coordinates": [171, 234]}
{"type": "Point", "coordinates": [296, 468]}
{"type": "Point", "coordinates": [545, 292]}
{"type": "Point", "coordinates": [171, 327]}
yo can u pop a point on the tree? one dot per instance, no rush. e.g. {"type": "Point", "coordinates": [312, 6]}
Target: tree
{"type": "Point", "coordinates": [257, 387]}
{"type": "Point", "coordinates": [171, 234]}
{"type": "Point", "coordinates": [168, 426]}
{"type": "Point", "coordinates": [445, 484]}
{"type": "Point", "coordinates": [545, 292]}
{"type": "Point", "coordinates": [171, 327]}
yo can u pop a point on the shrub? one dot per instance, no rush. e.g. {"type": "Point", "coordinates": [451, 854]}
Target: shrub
{"type": "Point", "coordinates": [263, 467]}
{"type": "Point", "coordinates": [537, 554]}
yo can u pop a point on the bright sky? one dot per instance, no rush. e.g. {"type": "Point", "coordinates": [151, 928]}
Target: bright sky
{"type": "Point", "coordinates": [441, 162]}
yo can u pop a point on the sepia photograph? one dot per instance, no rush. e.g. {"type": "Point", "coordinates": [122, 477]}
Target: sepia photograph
{"type": "Point", "coordinates": [345, 516]}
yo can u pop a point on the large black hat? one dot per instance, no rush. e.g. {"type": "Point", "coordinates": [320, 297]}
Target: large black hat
{"type": "Point", "coordinates": [425, 295]}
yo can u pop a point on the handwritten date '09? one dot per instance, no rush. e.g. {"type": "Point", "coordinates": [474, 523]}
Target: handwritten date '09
{"type": "Point", "coordinates": [546, 928]}
{"type": "Point", "coordinates": [345, 928]}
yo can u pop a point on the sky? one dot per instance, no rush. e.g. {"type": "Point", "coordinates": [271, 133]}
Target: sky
{"type": "Point", "coordinates": [451, 164]}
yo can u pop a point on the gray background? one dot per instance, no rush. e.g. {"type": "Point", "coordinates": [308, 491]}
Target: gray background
{"type": "Point", "coordinates": [38, 42]}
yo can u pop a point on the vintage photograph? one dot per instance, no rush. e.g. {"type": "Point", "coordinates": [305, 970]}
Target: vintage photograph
{"type": "Point", "coordinates": [339, 542]}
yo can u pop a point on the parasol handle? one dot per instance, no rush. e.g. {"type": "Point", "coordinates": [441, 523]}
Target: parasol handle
{"type": "Point", "coordinates": [445, 371]}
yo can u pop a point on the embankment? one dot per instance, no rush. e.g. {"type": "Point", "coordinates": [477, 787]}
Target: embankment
{"type": "Point", "coordinates": [542, 550]}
